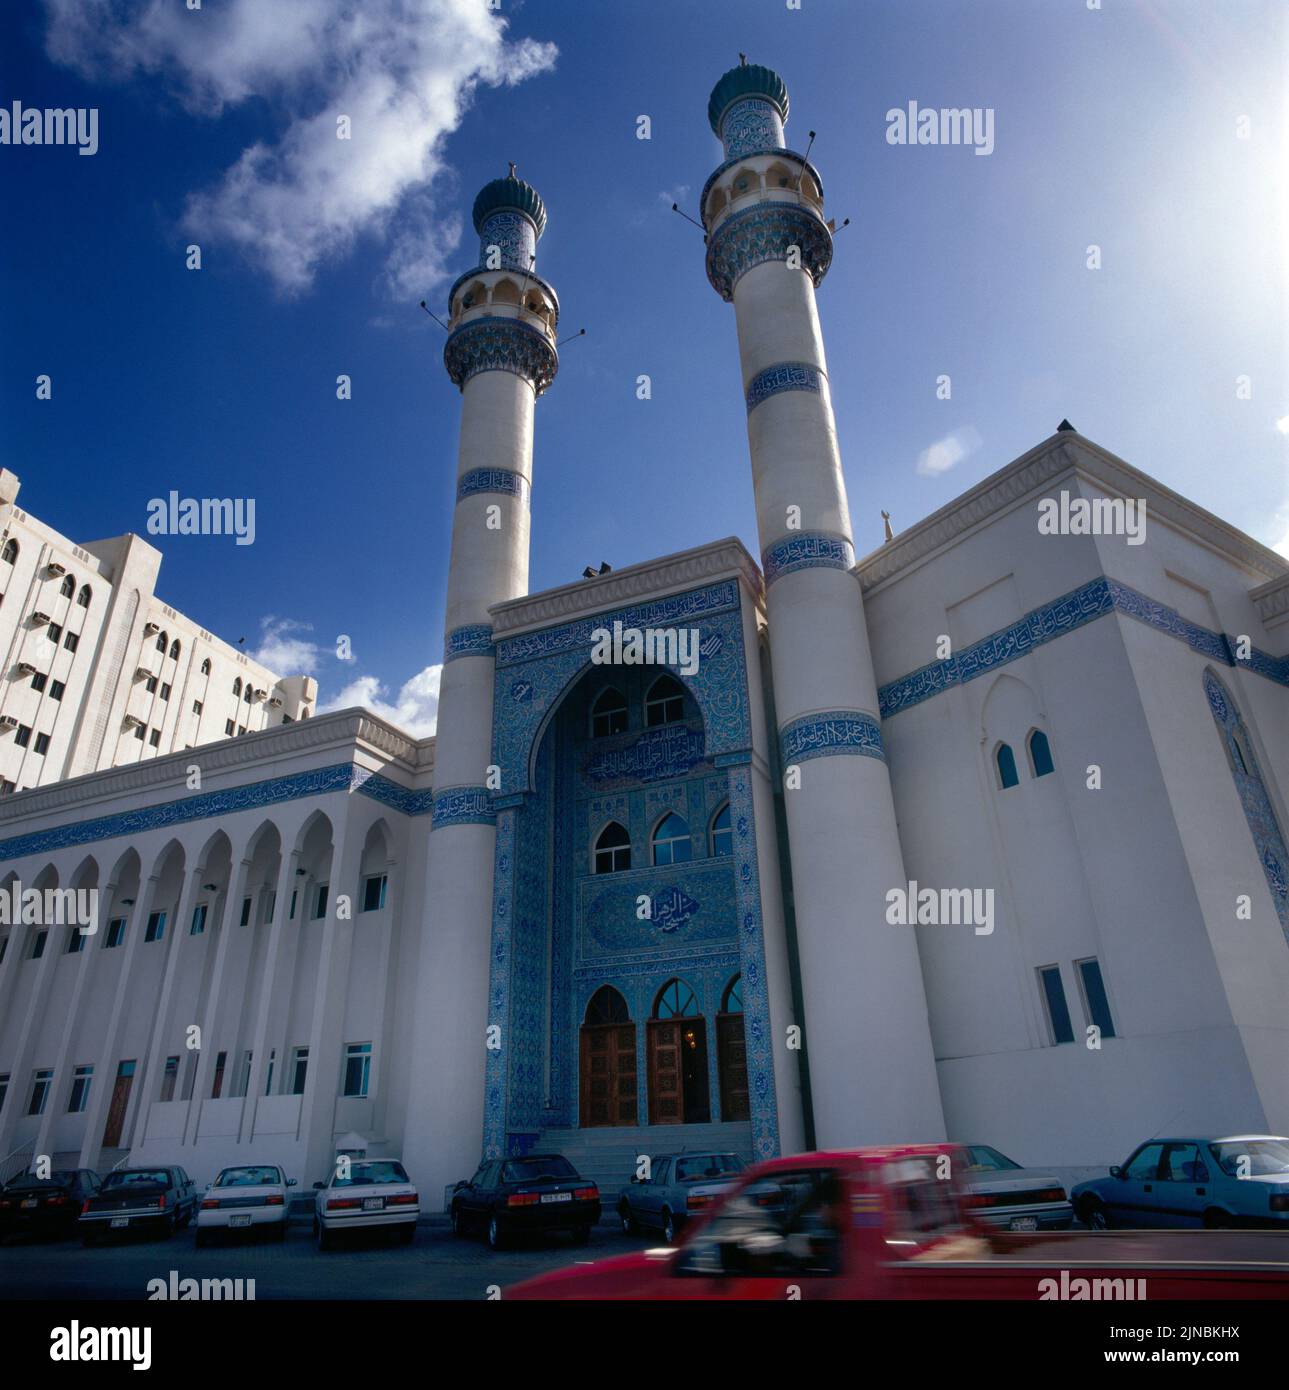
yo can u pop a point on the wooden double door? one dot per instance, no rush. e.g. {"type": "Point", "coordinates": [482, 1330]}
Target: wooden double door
{"type": "Point", "coordinates": [609, 1082]}
{"type": "Point", "coordinates": [678, 1089]}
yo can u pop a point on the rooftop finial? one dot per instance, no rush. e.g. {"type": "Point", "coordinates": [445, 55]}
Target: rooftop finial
{"type": "Point", "coordinates": [511, 162]}
{"type": "Point", "coordinates": [742, 60]}
{"type": "Point", "coordinates": [886, 522]}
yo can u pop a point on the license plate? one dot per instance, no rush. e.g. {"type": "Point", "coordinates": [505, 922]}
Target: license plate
{"type": "Point", "coordinates": [243, 1220]}
{"type": "Point", "coordinates": [28, 1202]}
{"type": "Point", "coordinates": [373, 1203]}
{"type": "Point", "coordinates": [1024, 1223]}
{"type": "Point", "coordinates": [119, 1221]}
{"type": "Point", "coordinates": [557, 1196]}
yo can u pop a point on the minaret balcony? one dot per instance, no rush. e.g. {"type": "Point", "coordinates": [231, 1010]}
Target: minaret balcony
{"type": "Point", "coordinates": [775, 176]}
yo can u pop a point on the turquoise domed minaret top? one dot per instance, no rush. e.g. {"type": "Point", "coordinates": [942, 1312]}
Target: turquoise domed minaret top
{"type": "Point", "coordinates": [510, 215]}
{"type": "Point", "coordinates": [748, 108]}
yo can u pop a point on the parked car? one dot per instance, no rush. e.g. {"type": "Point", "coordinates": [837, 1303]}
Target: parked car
{"type": "Point", "coordinates": [896, 1223]}
{"type": "Point", "coordinates": [537, 1193]}
{"type": "Point", "coordinates": [678, 1186]}
{"type": "Point", "coordinates": [1005, 1194]}
{"type": "Point", "coordinates": [155, 1198]}
{"type": "Point", "coordinates": [252, 1197]}
{"type": "Point", "coordinates": [1242, 1180]}
{"type": "Point", "coordinates": [48, 1206]}
{"type": "Point", "coordinates": [374, 1192]}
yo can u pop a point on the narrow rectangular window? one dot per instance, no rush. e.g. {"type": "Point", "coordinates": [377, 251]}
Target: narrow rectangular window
{"type": "Point", "coordinates": [268, 1080]}
{"type": "Point", "coordinates": [77, 940]}
{"type": "Point", "coordinates": [54, 631]}
{"type": "Point", "coordinates": [39, 680]}
{"type": "Point", "coordinates": [320, 901]}
{"type": "Point", "coordinates": [57, 689]}
{"type": "Point", "coordinates": [1058, 1014]}
{"type": "Point", "coordinates": [228, 727]}
{"type": "Point", "coordinates": [38, 944]}
{"type": "Point", "coordinates": [22, 736]}
{"type": "Point", "coordinates": [244, 1079]}
{"type": "Point", "coordinates": [42, 743]}
{"type": "Point", "coordinates": [169, 1078]}
{"type": "Point", "coordinates": [71, 641]}
{"type": "Point", "coordinates": [374, 893]}
{"type": "Point", "coordinates": [80, 1096]}
{"type": "Point", "coordinates": [196, 706]}
{"type": "Point", "coordinates": [299, 1070]}
{"type": "Point", "coordinates": [294, 895]}
{"type": "Point", "coordinates": [150, 685]}
{"type": "Point", "coordinates": [198, 920]}
{"type": "Point", "coordinates": [40, 1085]}
{"type": "Point", "coordinates": [154, 738]}
{"type": "Point", "coordinates": [4, 1088]}
{"type": "Point", "coordinates": [115, 932]}
{"type": "Point", "coordinates": [165, 691]}
{"type": "Point", "coordinates": [246, 912]}
{"type": "Point", "coordinates": [218, 1084]}
{"type": "Point", "coordinates": [156, 928]}
{"type": "Point", "coordinates": [357, 1068]}
{"type": "Point", "coordinates": [1095, 1000]}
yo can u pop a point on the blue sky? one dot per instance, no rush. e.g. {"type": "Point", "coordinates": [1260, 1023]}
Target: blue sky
{"type": "Point", "coordinates": [1117, 127]}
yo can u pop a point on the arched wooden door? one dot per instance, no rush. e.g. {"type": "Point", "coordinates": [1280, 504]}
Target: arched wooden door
{"type": "Point", "coordinates": [731, 1054]}
{"type": "Point", "coordinates": [677, 1046]}
{"type": "Point", "coordinates": [607, 1070]}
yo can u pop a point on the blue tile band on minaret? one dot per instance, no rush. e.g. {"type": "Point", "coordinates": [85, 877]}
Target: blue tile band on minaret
{"type": "Point", "coordinates": [472, 640]}
{"type": "Point", "coordinates": [751, 127]}
{"type": "Point", "coordinates": [462, 806]}
{"type": "Point", "coordinates": [767, 232]}
{"type": "Point", "coordinates": [830, 732]}
{"type": "Point", "coordinates": [806, 550]}
{"type": "Point", "coordinates": [503, 481]}
{"type": "Point", "coordinates": [500, 345]}
{"type": "Point", "coordinates": [515, 238]}
{"type": "Point", "coordinates": [784, 376]}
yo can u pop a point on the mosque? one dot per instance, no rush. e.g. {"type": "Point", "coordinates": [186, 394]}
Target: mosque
{"type": "Point", "coordinates": [699, 852]}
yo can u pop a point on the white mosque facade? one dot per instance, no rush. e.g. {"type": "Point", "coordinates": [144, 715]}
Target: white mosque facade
{"type": "Point", "coordinates": [617, 907]}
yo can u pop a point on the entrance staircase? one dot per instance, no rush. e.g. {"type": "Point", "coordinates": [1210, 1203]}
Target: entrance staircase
{"type": "Point", "coordinates": [608, 1156]}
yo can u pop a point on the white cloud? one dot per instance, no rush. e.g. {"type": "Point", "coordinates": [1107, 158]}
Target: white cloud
{"type": "Point", "coordinates": [403, 71]}
{"type": "Point", "coordinates": [415, 709]}
{"type": "Point", "coordinates": [945, 453]}
{"type": "Point", "coordinates": [284, 653]}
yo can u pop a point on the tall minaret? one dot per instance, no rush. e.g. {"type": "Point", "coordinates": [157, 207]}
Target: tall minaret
{"type": "Point", "coordinates": [873, 1076]}
{"type": "Point", "coordinates": [501, 353]}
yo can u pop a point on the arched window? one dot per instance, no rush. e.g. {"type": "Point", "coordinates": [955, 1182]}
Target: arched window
{"type": "Point", "coordinates": [246, 694]}
{"type": "Point", "coordinates": [609, 714]}
{"type": "Point", "coordinates": [671, 840]}
{"type": "Point", "coordinates": [174, 650]}
{"type": "Point", "coordinates": [68, 586]}
{"type": "Point", "coordinates": [732, 999]}
{"type": "Point", "coordinates": [675, 1000]}
{"type": "Point", "coordinates": [722, 835]}
{"type": "Point", "coordinates": [613, 849]}
{"type": "Point", "coordinates": [1006, 760]}
{"type": "Point", "coordinates": [1040, 754]}
{"type": "Point", "coordinates": [607, 1006]}
{"type": "Point", "coordinates": [10, 552]}
{"type": "Point", "coordinates": [237, 686]}
{"type": "Point", "coordinates": [162, 642]}
{"type": "Point", "coordinates": [83, 598]}
{"type": "Point", "coordinates": [205, 667]}
{"type": "Point", "coordinates": [665, 702]}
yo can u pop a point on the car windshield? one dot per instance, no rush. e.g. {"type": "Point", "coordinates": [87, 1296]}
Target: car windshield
{"type": "Point", "coordinates": [371, 1175]}
{"type": "Point", "coordinates": [138, 1177]}
{"type": "Point", "coordinates": [707, 1166]}
{"type": "Point", "coordinates": [248, 1177]}
{"type": "Point", "coordinates": [535, 1169]}
{"type": "Point", "coordinates": [1252, 1158]}
{"type": "Point", "coordinates": [981, 1158]}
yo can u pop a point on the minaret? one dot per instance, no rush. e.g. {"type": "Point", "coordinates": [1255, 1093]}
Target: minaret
{"type": "Point", "coordinates": [501, 353]}
{"type": "Point", "coordinates": [873, 1076]}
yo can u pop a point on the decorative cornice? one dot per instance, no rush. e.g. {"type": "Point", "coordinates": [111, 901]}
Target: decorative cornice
{"type": "Point", "coordinates": [765, 233]}
{"type": "Point", "coordinates": [836, 731]}
{"type": "Point", "coordinates": [500, 345]}
{"type": "Point", "coordinates": [653, 579]}
{"type": "Point", "coordinates": [1272, 601]}
{"type": "Point", "coordinates": [1063, 453]}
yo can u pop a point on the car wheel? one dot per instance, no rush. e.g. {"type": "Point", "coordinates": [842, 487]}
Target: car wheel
{"type": "Point", "coordinates": [1216, 1220]}
{"type": "Point", "coordinates": [279, 1232]}
{"type": "Point", "coordinates": [496, 1239]}
{"type": "Point", "coordinates": [627, 1218]}
{"type": "Point", "coordinates": [324, 1238]}
{"type": "Point", "coordinates": [407, 1233]}
{"type": "Point", "coordinates": [668, 1228]}
{"type": "Point", "coordinates": [457, 1217]}
{"type": "Point", "coordinates": [1094, 1215]}
{"type": "Point", "coordinates": [202, 1238]}
{"type": "Point", "coordinates": [581, 1234]}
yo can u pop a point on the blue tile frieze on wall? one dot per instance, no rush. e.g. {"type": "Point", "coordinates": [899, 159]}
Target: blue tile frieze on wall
{"type": "Point", "coordinates": [765, 233]}
{"type": "Point", "coordinates": [651, 756]}
{"type": "Point", "coordinates": [499, 480]}
{"type": "Point", "coordinates": [462, 806]}
{"type": "Point", "coordinates": [831, 732]}
{"type": "Point", "coordinates": [784, 376]}
{"type": "Point", "coordinates": [534, 671]}
{"type": "Point", "coordinates": [404, 799]}
{"type": "Point", "coordinates": [1268, 839]}
{"type": "Point", "coordinates": [696, 898]}
{"type": "Point", "coordinates": [474, 639]}
{"type": "Point", "coordinates": [1066, 614]}
{"type": "Point", "coordinates": [806, 550]}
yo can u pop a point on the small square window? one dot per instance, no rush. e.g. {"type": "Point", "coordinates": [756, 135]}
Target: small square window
{"type": "Point", "coordinates": [150, 685]}
{"type": "Point", "coordinates": [23, 735]}
{"type": "Point", "coordinates": [71, 641]}
{"type": "Point", "coordinates": [374, 893]}
{"type": "Point", "coordinates": [57, 689]}
{"type": "Point", "coordinates": [228, 727]}
{"type": "Point", "coordinates": [54, 632]}
{"type": "Point", "coordinates": [154, 738]}
{"type": "Point", "coordinates": [139, 732]}
{"type": "Point", "coordinates": [42, 743]}
{"type": "Point", "coordinates": [165, 691]}
{"type": "Point", "coordinates": [39, 680]}
{"type": "Point", "coordinates": [196, 706]}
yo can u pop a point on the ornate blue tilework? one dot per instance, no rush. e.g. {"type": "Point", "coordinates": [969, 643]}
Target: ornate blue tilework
{"type": "Point", "coordinates": [806, 550]}
{"type": "Point", "coordinates": [764, 233]}
{"type": "Point", "coordinates": [500, 345]}
{"type": "Point", "coordinates": [1268, 840]}
{"type": "Point", "coordinates": [751, 127]}
{"type": "Point", "coordinates": [784, 376]}
{"type": "Point", "coordinates": [835, 731]}
{"type": "Point", "coordinates": [409, 802]}
{"type": "Point", "coordinates": [513, 235]}
{"type": "Point", "coordinates": [475, 639]}
{"type": "Point", "coordinates": [502, 480]}
{"type": "Point", "coordinates": [1071, 611]}
{"type": "Point", "coordinates": [503, 892]}
{"type": "Point", "coordinates": [462, 806]}
{"type": "Point", "coordinates": [654, 755]}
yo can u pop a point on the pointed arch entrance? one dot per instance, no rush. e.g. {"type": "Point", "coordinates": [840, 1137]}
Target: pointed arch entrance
{"type": "Point", "coordinates": [608, 1062]}
{"type": "Point", "coordinates": [731, 1049]}
{"type": "Point", "coordinates": [677, 1039]}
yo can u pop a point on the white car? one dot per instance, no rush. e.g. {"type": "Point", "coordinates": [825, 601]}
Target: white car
{"type": "Point", "coordinates": [252, 1196]}
{"type": "Point", "coordinates": [363, 1194]}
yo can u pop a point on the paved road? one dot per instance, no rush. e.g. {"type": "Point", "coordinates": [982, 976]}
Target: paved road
{"type": "Point", "coordinates": [435, 1265]}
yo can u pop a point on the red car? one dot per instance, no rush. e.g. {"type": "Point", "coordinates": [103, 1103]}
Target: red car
{"type": "Point", "coordinates": [895, 1223]}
